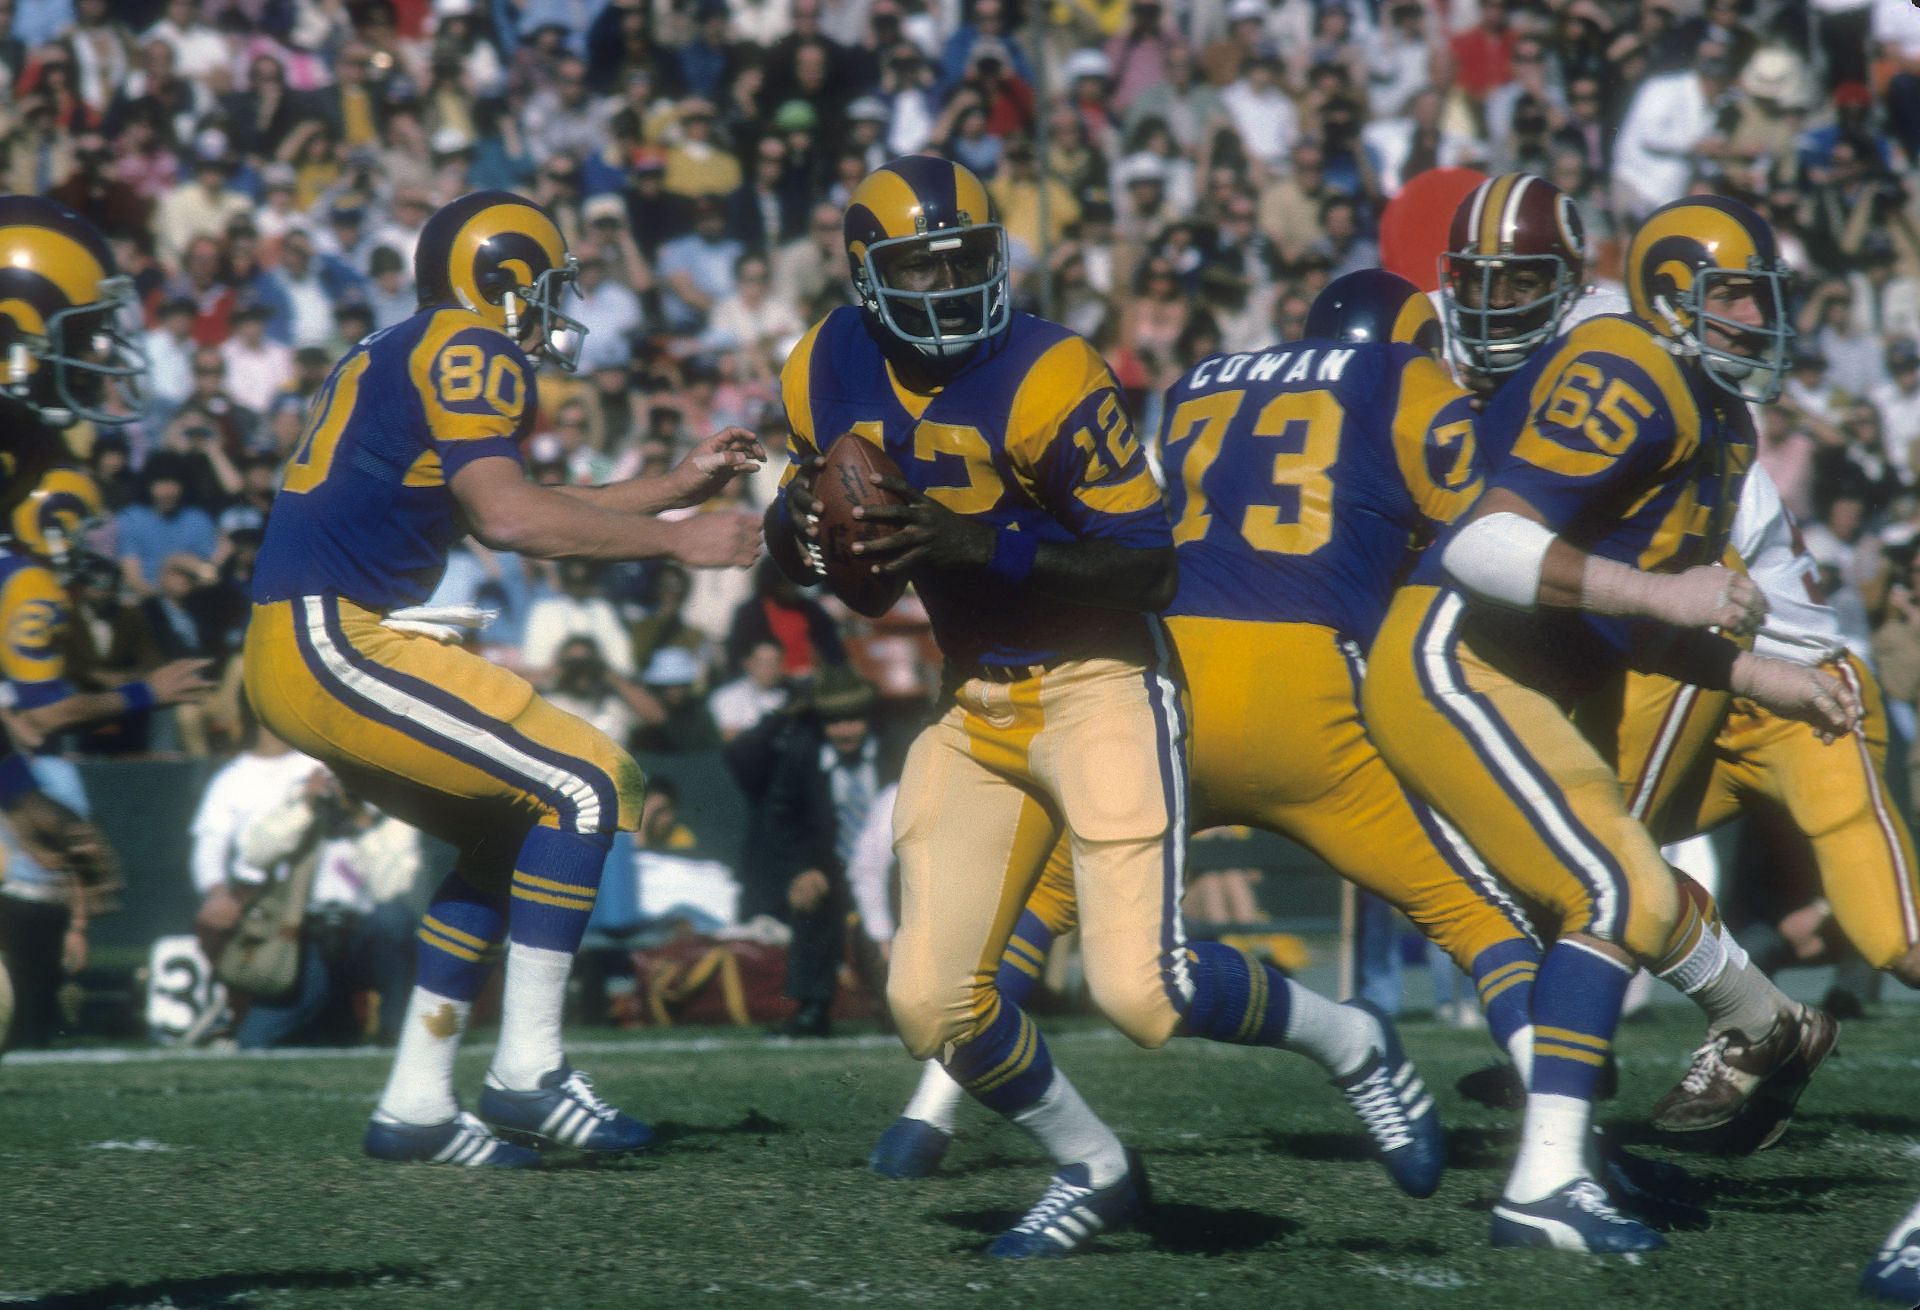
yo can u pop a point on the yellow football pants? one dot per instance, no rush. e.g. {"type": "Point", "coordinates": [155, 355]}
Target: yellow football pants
{"type": "Point", "coordinates": [1092, 749]}
{"type": "Point", "coordinates": [433, 734]}
{"type": "Point", "coordinates": [1834, 793]}
{"type": "Point", "coordinates": [1279, 743]}
{"type": "Point", "coordinates": [1529, 792]}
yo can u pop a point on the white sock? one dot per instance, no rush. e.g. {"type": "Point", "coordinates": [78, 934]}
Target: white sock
{"type": "Point", "coordinates": [530, 1012]}
{"type": "Point", "coordinates": [420, 1087]}
{"type": "Point", "coordinates": [1337, 1037]}
{"type": "Point", "coordinates": [1736, 953]}
{"type": "Point", "coordinates": [1071, 1133]}
{"type": "Point", "coordinates": [1733, 997]}
{"type": "Point", "coordinates": [1553, 1144]}
{"type": "Point", "coordinates": [936, 1099]}
{"type": "Point", "coordinates": [1520, 1051]}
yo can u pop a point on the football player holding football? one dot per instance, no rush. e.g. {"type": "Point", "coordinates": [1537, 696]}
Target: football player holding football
{"type": "Point", "coordinates": [1039, 542]}
{"type": "Point", "coordinates": [1360, 423]}
{"type": "Point", "coordinates": [413, 440]}
{"type": "Point", "coordinates": [1615, 458]}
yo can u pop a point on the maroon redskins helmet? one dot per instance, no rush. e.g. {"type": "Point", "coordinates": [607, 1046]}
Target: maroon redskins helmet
{"type": "Point", "coordinates": [1516, 258]}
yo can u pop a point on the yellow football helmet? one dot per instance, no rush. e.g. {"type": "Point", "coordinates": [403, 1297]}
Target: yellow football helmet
{"type": "Point", "coordinates": [53, 518]}
{"type": "Point", "coordinates": [61, 350]}
{"type": "Point", "coordinates": [503, 257]}
{"type": "Point", "coordinates": [1680, 257]}
{"type": "Point", "coordinates": [922, 211]}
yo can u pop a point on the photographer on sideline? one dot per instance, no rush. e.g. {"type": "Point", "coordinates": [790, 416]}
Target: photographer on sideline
{"type": "Point", "coordinates": [357, 933]}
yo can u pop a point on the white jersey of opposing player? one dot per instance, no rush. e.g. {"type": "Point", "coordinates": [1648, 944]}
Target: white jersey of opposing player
{"type": "Point", "coordinates": [1800, 625]}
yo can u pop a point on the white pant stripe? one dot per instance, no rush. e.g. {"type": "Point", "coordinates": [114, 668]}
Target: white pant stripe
{"type": "Point", "coordinates": [1882, 813]}
{"type": "Point", "coordinates": [1518, 774]}
{"type": "Point", "coordinates": [433, 719]}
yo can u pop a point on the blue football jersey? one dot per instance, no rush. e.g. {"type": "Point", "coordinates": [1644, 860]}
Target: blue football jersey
{"type": "Point", "coordinates": [1030, 435]}
{"type": "Point", "coordinates": [365, 511]}
{"type": "Point", "coordinates": [1625, 455]}
{"type": "Point", "coordinates": [1300, 476]}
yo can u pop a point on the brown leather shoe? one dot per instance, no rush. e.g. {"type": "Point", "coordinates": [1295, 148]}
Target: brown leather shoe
{"type": "Point", "coordinates": [1771, 1109]}
{"type": "Point", "coordinates": [1729, 1070]}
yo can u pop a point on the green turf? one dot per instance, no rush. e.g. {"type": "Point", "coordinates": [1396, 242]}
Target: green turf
{"type": "Point", "coordinates": [260, 1198]}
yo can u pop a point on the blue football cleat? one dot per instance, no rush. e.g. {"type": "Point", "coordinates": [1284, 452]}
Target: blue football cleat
{"type": "Point", "coordinates": [1398, 1111]}
{"type": "Point", "coordinates": [910, 1148]}
{"type": "Point", "coordinates": [1894, 1274]}
{"type": "Point", "coordinates": [1073, 1212]}
{"type": "Point", "coordinates": [563, 1111]}
{"type": "Point", "coordinates": [462, 1140]}
{"type": "Point", "coordinates": [1578, 1217]}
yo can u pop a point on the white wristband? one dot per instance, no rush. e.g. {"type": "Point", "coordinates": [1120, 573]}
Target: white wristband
{"type": "Point", "coordinates": [1498, 558]}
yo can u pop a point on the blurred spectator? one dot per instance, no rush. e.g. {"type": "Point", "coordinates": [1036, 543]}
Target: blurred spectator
{"type": "Point", "coordinates": [698, 167]}
{"type": "Point", "coordinates": [698, 268]}
{"type": "Point", "coordinates": [174, 611]}
{"type": "Point", "coordinates": [358, 929]}
{"type": "Point", "coordinates": [607, 306]}
{"type": "Point", "coordinates": [752, 322]}
{"type": "Point", "coordinates": [1400, 148]}
{"type": "Point", "coordinates": [170, 349]}
{"type": "Point", "coordinates": [584, 686]}
{"type": "Point", "coordinates": [760, 690]}
{"type": "Point", "coordinates": [199, 51]}
{"type": "Point", "coordinates": [779, 611]}
{"type": "Point", "coordinates": [309, 286]}
{"type": "Point", "coordinates": [161, 526]}
{"type": "Point", "coordinates": [1262, 113]}
{"type": "Point", "coordinates": [44, 916]}
{"type": "Point", "coordinates": [1898, 402]}
{"type": "Point", "coordinates": [92, 191]}
{"type": "Point", "coordinates": [202, 205]}
{"type": "Point", "coordinates": [253, 782]}
{"type": "Point", "coordinates": [811, 779]}
{"type": "Point", "coordinates": [1670, 128]}
{"type": "Point", "coordinates": [579, 610]}
{"type": "Point", "coordinates": [672, 678]}
{"type": "Point", "coordinates": [257, 367]}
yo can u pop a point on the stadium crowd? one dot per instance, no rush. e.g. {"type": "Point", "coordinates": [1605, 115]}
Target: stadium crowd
{"type": "Point", "coordinates": [1176, 179]}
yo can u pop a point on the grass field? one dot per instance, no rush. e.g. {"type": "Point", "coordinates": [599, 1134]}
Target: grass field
{"type": "Point", "coordinates": [237, 1182]}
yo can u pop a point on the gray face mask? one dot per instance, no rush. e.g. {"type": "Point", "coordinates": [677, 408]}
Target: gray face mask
{"type": "Point", "coordinates": [950, 321]}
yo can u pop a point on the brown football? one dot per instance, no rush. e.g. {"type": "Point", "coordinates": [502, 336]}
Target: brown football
{"type": "Point", "coordinates": [844, 484]}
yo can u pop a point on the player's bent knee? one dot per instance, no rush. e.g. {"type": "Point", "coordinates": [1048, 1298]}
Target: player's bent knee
{"type": "Point", "coordinates": [929, 1020]}
{"type": "Point", "coordinates": [1139, 1007]}
{"type": "Point", "coordinates": [1907, 967]}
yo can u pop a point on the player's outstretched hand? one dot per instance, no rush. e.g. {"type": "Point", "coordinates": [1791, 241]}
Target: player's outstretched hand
{"type": "Point", "coordinates": [1796, 691]}
{"type": "Point", "coordinates": [930, 534]}
{"type": "Point", "coordinates": [716, 461]}
{"type": "Point", "coordinates": [720, 540]}
{"type": "Point", "coordinates": [179, 681]}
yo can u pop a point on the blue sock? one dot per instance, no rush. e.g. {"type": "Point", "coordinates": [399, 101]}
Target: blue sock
{"type": "Point", "coordinates": [1007, 1068]}
{"type": "Point", "coordinates": [1236, 998]}
{"type": "Point", "coordinates": [1576, 1007]}
{"type": "Point", "coordinates": [555, 880]}
{"type": "Point", "coordinates": [1503, 975]}
{"type": "Point", "coordinates": [1025, 960]}
{"type": "Point", "coordinates": [460, 937]}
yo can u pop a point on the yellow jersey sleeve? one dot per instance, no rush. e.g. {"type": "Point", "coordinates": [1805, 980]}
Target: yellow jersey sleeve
{"type": "Point", "coordinates": [1600, 417]}
{"type": "Point", "coordinates": [1434, 441]}
{"type": "Point", "coordinates": [475, 388]}
{"type": "Point", "coordinates": [796, 399]}
{"type": "Point", "coordinates": [34, 616]}
{"type": "Point", "coordinates": [1071, 443]}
